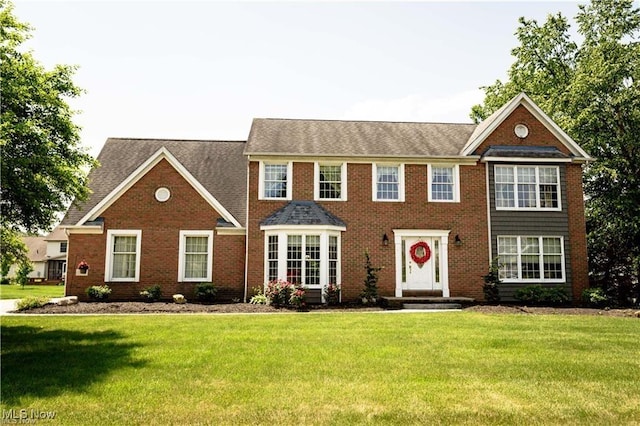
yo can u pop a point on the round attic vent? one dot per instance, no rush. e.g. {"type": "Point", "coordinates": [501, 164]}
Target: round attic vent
{"type": "Point", "coordinates": [162, 194]}
{"type": "Point", "coordinates": [521, 131]}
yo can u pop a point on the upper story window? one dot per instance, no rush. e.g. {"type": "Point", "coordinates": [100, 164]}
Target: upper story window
{"type": "Point", "coordinates": [123, 255]}
{"type": "Point", "coordinates": [444, 183]}
{"type": "Point", "coordinates": [527, 187]}
{"type": "Point", "coordinates": [196, 251]}
{"type": "Point", "coordinates": [275, 181]}
{"type": "Point", "coordinates": [330, 181]}
{"type": "Point", "coordinates": [388, 182]}
{"type": "Point", "coordinates": [63, 247]}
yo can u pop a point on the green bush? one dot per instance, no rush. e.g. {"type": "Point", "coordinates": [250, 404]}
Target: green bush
{"type": "Point", "coordinates": [595, 297]}
{"type": "Point", "coordinates": [492, 281]}
{"type": "Point", "coordinates": [205, 292]}
{"type": "Point", "coordinates": [98, 292]}
{"type": "Point", "coordinates": [332, 294]}
{"type": "Point", "coordinates": [538, 295]}
{"type": "Point", "coordinates": [31, 302]}
{"type": "Point", "coordinates": [152, 293]}
{"type": "Point", "coordinates": [5, 281]}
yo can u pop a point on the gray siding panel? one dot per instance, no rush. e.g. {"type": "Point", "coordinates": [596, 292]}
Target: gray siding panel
{"type": "Point", "coordinates": [530, 223]}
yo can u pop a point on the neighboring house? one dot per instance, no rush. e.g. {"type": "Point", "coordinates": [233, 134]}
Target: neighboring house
{"type": "Point", "coordinates": [302, 200]}
{"type": "Point", "coordinates": [47, 256]}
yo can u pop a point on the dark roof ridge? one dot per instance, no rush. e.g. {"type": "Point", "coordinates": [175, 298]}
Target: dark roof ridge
{"type": "Point", "coordinates": [365, 121]}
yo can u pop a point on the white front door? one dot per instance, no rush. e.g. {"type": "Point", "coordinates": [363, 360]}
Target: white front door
{"type": "Point", "coordinates": [421, 257]}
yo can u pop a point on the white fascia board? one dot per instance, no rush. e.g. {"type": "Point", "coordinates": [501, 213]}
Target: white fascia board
{"type": "Point", "coordinates": [82, 229]}
{"type": "Point", "coordinates": [223, 230]}
{"type": "Point", "coordinates": [142, 170]}
{"type": "Point", "coordinates": [366, 159]}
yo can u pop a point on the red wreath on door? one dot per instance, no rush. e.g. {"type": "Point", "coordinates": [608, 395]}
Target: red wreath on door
{"type": "Point", "coordinates": [420, 252]}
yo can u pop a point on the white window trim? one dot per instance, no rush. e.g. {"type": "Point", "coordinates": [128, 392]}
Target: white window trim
{"type": "Point", "coordinates": [261, 195]}
{"type": "Point", "coordinates": [537, 184]}
{"type": "Point", "coordinates": [343, 182]}
{"type": "Point", "coordinates": [324, 253]}
{"type": "Point", "coordinates": [374, 182]}
{"type": "Point", "coordinates": [181, 257]}
{"type": "Point", "coordinates": [111, 233]}
{"type": "Point", "coordinates": [456, 182]}
{"type": "Point", "coordinates": [542, 279]}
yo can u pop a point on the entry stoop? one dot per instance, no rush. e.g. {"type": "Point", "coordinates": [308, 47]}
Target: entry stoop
{"type": "Point", "coordinates": [426, 302]}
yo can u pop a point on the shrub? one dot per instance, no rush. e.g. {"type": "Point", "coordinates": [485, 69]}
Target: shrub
{"type": "Point", "coordinates": [538, 295]}
{"type": "Point", "coordinates": [206, 292]}
{"type": "Point", "coordinates": [332, 294]}
{"type": "Point", "coordinates": [151, 293]}
{"type": "Point", "coordinates": [278, 292]}
{"type": "Point", "coordinates": [258, 297]}
{"type": "Point", "coordinates": [595, 297]}
{"type": "Point", "coordinates": [31, 302]}
{"type": "Point", "coordinates": [370, 292]}
{"type": "Point", "coordinates": [297, 298]}
{"type": "Point", "coordinates": [5, 281]}
{"type": "Point", "coordinates": [491, 287]}
{"type": "Point", "coordinates": [98, 292]}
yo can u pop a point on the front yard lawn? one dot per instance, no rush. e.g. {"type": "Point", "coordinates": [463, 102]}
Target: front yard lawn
{"type": "Point", "coordinates": [18, 292]}
{"type": "Point", "coordinates": [324, 368]}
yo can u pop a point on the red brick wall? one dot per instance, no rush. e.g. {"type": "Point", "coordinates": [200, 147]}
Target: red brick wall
{"type": "Point", "coordinates": [539, 135]}
{"type": "Point", "coordinates": [161, 224]}
{"type": "Point", "coordinates": [367, 221]}
{"type": "Point", "coordinates": [577, 231]}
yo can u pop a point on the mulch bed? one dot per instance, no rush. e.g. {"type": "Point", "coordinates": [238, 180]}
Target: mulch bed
{"type": "Point", "coordinates": [166, 307]}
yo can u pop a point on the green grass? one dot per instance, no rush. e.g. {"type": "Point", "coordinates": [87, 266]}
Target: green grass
{"type": "Point", "coordinates": [324, 368]}
{"type": "Point", "coordinates": [17, 292]}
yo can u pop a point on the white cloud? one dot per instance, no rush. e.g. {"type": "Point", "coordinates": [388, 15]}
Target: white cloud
{"type": "Point", "coordinates": [417, 107]}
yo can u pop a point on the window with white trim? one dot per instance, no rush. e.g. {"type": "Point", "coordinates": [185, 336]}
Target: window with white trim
{"type": "Point", "coordinates": [330, 181]}
{"type": "Point", "coordinates": [443, 183]}
{"type": "Point", "coordinates": [388, 182]}
{"type": "Point", "coordinates": [123, 255]}
{"type": "Point", "coordinates": [196, 254]}
{"type": "Point", "coordinates": [527, 187]}
{"type": "Point", "coordinates": [275, 181]}
{"type": "Point", "coordinates": [525, 258]}
{"type": "Point", "coordinates": [310, 258]}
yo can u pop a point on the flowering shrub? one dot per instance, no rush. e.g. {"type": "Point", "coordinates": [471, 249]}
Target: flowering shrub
{"type": "Point", "coordinates": [278, 292]}
{"type": "Point", "coordinates": [332, 294]}
{"type": "Point", "coordinates": [98, 292]}
{"type": "Point", "coordinates": [297, 298]}
{"type": "Point", "coordinates": [258, 297]}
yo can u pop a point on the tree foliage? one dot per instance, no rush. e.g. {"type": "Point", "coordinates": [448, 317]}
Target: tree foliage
{"type": "Point", "coordinates": [43, 166]}
{"type": "Point", "coordinates": [592, 90]}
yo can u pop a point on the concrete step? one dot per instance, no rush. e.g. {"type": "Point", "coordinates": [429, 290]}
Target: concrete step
{"type": "Point", "coordinates": [431, 306]}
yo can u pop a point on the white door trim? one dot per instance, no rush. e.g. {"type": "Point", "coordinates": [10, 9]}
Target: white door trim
{"type": "Point", "coordinates": [443, 234]}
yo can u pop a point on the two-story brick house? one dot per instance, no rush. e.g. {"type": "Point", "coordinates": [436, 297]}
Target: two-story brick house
{"type": "Point", "coordinates": [302, 200]}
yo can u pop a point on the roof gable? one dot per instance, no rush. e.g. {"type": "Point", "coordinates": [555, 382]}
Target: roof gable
{"type": "Point", "coordinates": [491, 123]}
{"type": "Point", "coordinates": [215, 169]}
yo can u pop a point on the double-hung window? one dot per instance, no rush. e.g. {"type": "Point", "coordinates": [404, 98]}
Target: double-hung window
{"type": "Point", "coordinates": [330, 182]}
{"type": "Point", "coordinates": [443, 183]}
{"type": "Point", "coordinates": [388, 182]}
{"type": "Point", "coordinates": [531, 258]}
{"type": "Point", "coordinates": [527, 187]}
{"type": "Point", "coordinates": [123, 255]}
{"type": "Point", "coordinates": [196, 252]}
{"type": "Point", "coordinates": [275, 181]}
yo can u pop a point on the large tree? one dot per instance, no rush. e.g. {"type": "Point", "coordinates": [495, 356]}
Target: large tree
{"type": "Point", "coordinates": [43, 167]}
{"type": "Point", "coordinates": [591, 88]}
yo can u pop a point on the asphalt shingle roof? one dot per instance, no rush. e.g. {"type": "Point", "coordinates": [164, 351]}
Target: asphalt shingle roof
{"type": "Point", "coordinates": [219, 166]}
{"type": "Point", "coordinates": [302, 213]}
{"type": "Point", "coordinates": [356, 138]}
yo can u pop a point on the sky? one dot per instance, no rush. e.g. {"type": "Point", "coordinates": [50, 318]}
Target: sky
{"type": "Point", "coordinates": [205, 69]}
